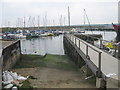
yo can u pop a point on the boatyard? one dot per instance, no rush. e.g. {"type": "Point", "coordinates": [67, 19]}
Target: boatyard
{"type": "Point", "coordinates": [62, 49]}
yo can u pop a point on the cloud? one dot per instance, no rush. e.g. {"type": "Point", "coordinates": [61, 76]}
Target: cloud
{"type": "Point", "coordinates": [99, 11]}
{"type": "Point", "coordinates": [39, 1]}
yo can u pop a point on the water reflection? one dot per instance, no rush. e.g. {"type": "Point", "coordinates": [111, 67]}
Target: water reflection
{"type": "Point", "coordinates": [43, 45]}
{"type": "Point", "coordinates": [54, 45]}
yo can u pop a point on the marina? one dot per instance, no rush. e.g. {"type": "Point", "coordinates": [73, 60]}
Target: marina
{"type": "Point", "coordinates": [88, 55]}
{"type": "Point", "coordinates": [60, 44]}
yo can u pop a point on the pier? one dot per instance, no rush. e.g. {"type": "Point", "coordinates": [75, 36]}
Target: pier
{"type": "Point", "coordinates": [99, 63]}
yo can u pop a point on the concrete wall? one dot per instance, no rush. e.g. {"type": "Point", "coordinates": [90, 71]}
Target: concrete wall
{"type": "Point", "coordinates": [1, 62]}
{"type": "Point", "coordinates": [11, 54]}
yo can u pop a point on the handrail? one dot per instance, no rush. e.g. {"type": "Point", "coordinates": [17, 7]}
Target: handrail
{"type": "Point", "coordinates": [98, 58]}
{"type": "Point", "coordinates": [87, 44]}
{"type": "Point", "coordinates": [95, 37]}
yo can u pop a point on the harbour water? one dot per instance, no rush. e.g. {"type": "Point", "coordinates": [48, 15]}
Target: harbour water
{"type": "Point", "coordinates": [107, 35]}
{"type": "Point", "coordinates": [54, 44]}
{"type": "Point", "coordinates": [43, 45]}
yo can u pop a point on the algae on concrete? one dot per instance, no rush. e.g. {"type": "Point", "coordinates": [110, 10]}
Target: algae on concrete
{"type": "Point", "coordinates": [52, 61]}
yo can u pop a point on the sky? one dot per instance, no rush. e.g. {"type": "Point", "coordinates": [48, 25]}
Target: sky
{"type": "Point", "coordinates": [55, 12]}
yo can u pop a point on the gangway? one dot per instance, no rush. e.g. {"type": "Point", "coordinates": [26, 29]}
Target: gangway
{"type": "Point", "coordinates": [102, 64]}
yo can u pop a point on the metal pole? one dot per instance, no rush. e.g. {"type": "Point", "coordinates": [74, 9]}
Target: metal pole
{"type": "Point", "coordinates": [75, 41]}
{"type": "Point", "coordinates": [87, 51]}
{"type": "Point", "coordinates": [79, 44]}
{"type": "Point", "coordinates": [99, 65]}
{"type": "Point", "coordinates": [101, 45]}
{"type": "Point", "coordinates": [38, 23]}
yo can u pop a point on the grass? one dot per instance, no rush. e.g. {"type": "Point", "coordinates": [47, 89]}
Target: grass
{"type": "Point", "coordinates": [52, 61]}
{"type": "Point", "coordinates": [60, 62]}
{"type": "Point", "coordinates": [29, 61]}
{"type": "Point", "coordinates": [92, 81]}
{"type": "Point", "coordinates": [26, 84]}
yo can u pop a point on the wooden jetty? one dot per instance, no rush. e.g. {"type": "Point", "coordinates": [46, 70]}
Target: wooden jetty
{"type": "Point", "coordinates": [103, 65]}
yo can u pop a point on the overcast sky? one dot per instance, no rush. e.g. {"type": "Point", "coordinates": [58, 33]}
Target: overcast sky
{"type": "Point", "coordinates": [98, 11]}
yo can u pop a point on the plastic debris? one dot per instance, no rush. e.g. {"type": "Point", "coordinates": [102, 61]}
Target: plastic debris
{"type": "Point", "coordinates": [21, 78]}
{"type": "Point", "coordinates": [8, 86]}
{"type": "Point", "coordinates": [111, 74]}
{"type": "Point", "coordinates": [14, 88]}
{"type": "Point", "coordinates": [12, 78]}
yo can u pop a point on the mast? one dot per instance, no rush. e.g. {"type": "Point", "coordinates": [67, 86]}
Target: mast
{"type": "Point", "coordinates": [53, 22]}
{"type": "Point", "coordinates": [88, 20]}
{"type": "Point", "coordinates": [24, 23]}
{"type": "Point", "coordinates": [64, 21]}
{"type": "Point", "coordinates": [68, 16]}
{"type": "Point", "coordinates": [38, 22]}
{"type": "Point", "coordinates": [84, 19]}
{"type": "Point", "coordinates": [61, 20]}
{"type": "Point", "coordinates": [8, 25]}
{"type": "Point", "coordinates": [29, 23]}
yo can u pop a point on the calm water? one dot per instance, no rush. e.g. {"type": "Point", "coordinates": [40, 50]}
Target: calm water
{"type": "Point", "coordinates": [43, 45]}
{"type": "Point", "coordinates": [53, 45]}
{"type": "Point", "coordinates": [106, 35]}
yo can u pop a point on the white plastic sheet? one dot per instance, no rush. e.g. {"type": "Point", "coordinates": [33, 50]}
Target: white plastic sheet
{"type": "Point", "coordinates": [10, 77]}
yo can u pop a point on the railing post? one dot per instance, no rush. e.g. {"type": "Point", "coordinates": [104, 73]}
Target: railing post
{"type": "Point", "coordinates": [115, 51]}
{"type": "Point", "coordinates": [87, 51]}
{"type": "Point", "coordinates": [72, 38]}
{"type": "Point", "coordinates": [99, 65]}
{"type": "Point", "coordinates": [75, 40]}
{"type": "Point", "coordinates": [79, 44]}
{"type": "Point", "coordinates": [101, 45]}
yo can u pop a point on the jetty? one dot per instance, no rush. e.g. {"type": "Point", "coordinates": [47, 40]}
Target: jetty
{"type": "Point", "coordinates": [99, 63]}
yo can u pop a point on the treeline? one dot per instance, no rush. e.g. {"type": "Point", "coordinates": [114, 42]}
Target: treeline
{"type": "Point", "coordinates": [15, 29]}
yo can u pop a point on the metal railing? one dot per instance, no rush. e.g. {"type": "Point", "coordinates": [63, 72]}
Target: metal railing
{"type": "Point", "coordinates": [102, 60]}
{"type": "Point", "coordinates": [87, 49]}
{"type": "Point", "coordinates": [101, 44]}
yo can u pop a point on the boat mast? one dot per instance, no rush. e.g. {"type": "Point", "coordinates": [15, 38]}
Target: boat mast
{"type": "Point", "coordinates": [38, 22]}
{"type": "Point", "coordinates": [84, 19]}
{"type": "Point", "coordinates": [88, 20]}
{"type": "Point", "coordinates": [24, 23]}
{"type": "Point", "coordinates": [68, 16]}
{"type": "Point", "coordinates": [61, 20]}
